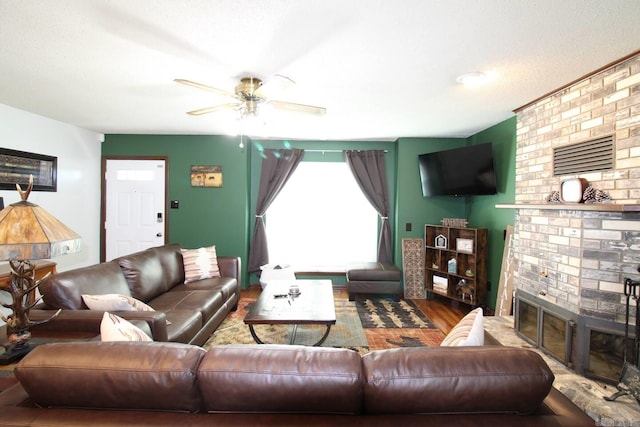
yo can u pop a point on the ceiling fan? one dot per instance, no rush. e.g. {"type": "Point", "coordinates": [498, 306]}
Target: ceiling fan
{"type": "Point", "coordinates": [248, 97]}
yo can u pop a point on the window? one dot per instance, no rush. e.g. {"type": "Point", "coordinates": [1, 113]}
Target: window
{"type": "Point", "coordinates": [321, 219]}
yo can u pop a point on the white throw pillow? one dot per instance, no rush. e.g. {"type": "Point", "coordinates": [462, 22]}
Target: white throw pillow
{"type": "Point", "coordinates": [468, 332]}
{"type": "Point", "coordinates": [114, 302]}
{"type": "Point", "coordinates": [200, 264]}
{"type": "Point", "coordinates": [115, 328]}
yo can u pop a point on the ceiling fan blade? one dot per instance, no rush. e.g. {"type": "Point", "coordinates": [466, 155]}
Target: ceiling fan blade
{"type": "Point", "coordinates": [205, 87]}
{"type": "Point", "coordinates": [213, 109]}
{"type": "Point", "coordinates": [302, 108]}
{"type": "Point", "coordinates": [277, 85]}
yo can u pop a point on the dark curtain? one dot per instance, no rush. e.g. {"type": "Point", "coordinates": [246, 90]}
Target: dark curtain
{"type": "Point", "coordinates": [277, 167]}
{"type": "Point", "coordinates": [368, 169]}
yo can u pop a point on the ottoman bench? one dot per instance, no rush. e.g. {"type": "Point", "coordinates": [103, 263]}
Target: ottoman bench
{"type": "Point", "coordinates": [374, 278]}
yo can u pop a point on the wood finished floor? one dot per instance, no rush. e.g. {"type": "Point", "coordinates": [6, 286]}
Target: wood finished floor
{"type": "Point", "coordinates": [444, 313]}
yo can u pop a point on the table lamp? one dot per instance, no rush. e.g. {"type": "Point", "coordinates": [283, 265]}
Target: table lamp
{"type": "Point", "coordinates": [28, 232]}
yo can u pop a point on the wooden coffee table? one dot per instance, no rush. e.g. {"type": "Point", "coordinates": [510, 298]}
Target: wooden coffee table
{"type": "Point", "coordinates": [314, 306]}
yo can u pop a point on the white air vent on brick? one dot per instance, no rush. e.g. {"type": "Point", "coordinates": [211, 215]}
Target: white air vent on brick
{"type": "Point", "coordinates": [587, 156]}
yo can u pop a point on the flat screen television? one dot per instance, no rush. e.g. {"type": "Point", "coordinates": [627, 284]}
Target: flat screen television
{"type": "Point", "coordinates": [465, 171]}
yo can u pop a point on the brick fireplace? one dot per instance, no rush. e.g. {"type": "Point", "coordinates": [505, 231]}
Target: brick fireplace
{"type": "Point", "coordinates": [571, 259]}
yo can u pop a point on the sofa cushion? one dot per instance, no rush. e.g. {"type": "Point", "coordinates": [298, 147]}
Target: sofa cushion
{"type": "Point", "coordinates": [206, 302]}
{"type": "Point", "coordinates": [201, 263]}
{"type": "Point", "coordinates": [65, 289]}
{"type": "Point", "coordinates": [281, 378]}
{"type": "Point", "coordinates": [462, 380]}
{"type": "Point", "coordinates": [171, 261]}
{"type": "Point", "coordinates": [183, 325]}
{"type": "Point", "coordinates": [227, 286]}
{"type": "Point", "coordinates": [468, 332]}
{"type": "Point", "coordinates": [144, 274]}
{"type": "Point", "coordinates": [115, 375]}
{"type": "Point", "coordinates": [115, 328]}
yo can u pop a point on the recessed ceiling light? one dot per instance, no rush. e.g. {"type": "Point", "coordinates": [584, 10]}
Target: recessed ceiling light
{"type": "Point", "coordinates": [472, 79]}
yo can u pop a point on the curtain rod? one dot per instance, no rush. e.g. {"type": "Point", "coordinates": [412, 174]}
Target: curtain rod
{"type": "Point", "coordinates": [332, 151]}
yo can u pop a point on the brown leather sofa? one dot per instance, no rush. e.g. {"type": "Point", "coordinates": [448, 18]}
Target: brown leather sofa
{"type": "Point", "coordinates": [170, 384]}
{"type": "Point", "coordinates": [184, 312]}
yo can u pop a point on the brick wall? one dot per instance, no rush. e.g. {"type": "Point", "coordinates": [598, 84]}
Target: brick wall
{"type": "Point", "coordinates": [604, 104]}
{"type": "Point", "coordinates": [579, 259]}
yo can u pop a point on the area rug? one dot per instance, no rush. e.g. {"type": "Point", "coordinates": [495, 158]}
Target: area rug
{"type": "Point", "coordinates": [347, 332]}
{"type": "Point", "coordinates": [386, 313]}
{"type": "Point", "coordinates": [384, 320]}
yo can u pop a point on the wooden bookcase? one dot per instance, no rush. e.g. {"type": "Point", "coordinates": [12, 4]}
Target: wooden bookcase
{"type": "Point", "coordinates": [466, 280]}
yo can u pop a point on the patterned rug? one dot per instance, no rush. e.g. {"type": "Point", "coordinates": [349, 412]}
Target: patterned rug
{"type": "Point", "coordinates": [390, 324]}
{"type": "Point", "coordinates": [386, 313]}
{"type": "Point", "coordinates": [387, 324]}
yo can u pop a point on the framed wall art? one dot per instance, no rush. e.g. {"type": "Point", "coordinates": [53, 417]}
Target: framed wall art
{"type": "Point", "coordinates": [464, 245]}
{"type": "Point", "coordinates": [206, 176]}
{"type": "Point", "coordinates": [16, 166]}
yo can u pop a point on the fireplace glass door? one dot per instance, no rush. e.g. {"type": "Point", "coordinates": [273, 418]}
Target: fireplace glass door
{"type": "Point", "coordinates": [606, 355]}
{"type": "Point", "coordinates": [551, 332]}
{"type": "Point", "coordinates": [527, 321]}
{"type": "Point", "coordinates": [554, 336]}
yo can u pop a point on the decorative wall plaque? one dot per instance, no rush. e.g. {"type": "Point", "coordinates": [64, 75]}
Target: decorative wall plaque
{"type": "Point", "coordinates": [454, 222]}
{"type": "Point", "coordinates": [413, 268]}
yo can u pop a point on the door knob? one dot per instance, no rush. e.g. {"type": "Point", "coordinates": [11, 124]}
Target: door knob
{"type": "Point", "coordinates": [159, 235]}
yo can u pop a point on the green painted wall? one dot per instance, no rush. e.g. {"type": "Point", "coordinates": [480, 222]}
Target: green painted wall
{"type": "Point", "coordinates": [225, 216]}
{"type": "Point", "coordinates": [413, 208]}
{"type": "Point", "coordinates": [482, 211]}
{"type": "Point", "coordinates": [207, 216]}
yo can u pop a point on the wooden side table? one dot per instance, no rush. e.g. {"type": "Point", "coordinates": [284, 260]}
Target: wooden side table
{"type": "Point", "coordinates": [7, 364]}
{"type": "Point", "coordinates": [42, 269]}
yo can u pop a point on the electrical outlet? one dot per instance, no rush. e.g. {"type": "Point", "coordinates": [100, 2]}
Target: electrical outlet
{"type": "Point", "coordinates": [407, 226]}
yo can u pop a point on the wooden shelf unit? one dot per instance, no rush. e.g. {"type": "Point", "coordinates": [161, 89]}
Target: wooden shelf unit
{"type": "Point", "coordinates": [471, 266]}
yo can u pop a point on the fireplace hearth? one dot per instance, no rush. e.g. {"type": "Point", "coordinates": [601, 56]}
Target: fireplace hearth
{"type": "Point", "coordinates": [588, 394]}
{"type": "Point", "coordinates": [590, 346]}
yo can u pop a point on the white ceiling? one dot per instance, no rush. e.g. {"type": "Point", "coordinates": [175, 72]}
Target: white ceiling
{"type": "Point", "coordinates": [383, 69]}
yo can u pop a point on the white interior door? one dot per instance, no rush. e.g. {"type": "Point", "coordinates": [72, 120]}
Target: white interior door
{"type": "Point", "coordinates": [135, 206]}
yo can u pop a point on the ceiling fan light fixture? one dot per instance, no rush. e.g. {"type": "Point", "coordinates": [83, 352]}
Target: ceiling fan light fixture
{"type": "Point", "coordinates": [472, 79]}
{"type": "Point", "coordinates": [249, 108]}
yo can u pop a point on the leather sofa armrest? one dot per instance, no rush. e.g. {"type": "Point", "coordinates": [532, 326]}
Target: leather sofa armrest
{"type": "Point", "coordinates": [230, 266]}
{"type": "Point", "coordinates": [74, 321]}
{"type": "Point", "coordinates": [156, 320]}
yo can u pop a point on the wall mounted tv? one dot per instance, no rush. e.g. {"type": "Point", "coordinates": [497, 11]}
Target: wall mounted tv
{"type": "Point", "coordinates": [465, 171]}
